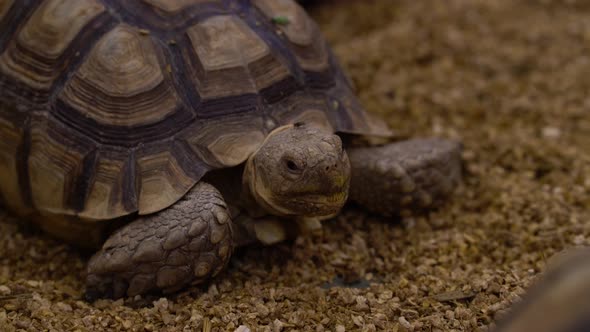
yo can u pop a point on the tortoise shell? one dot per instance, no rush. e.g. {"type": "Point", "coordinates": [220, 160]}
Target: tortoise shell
{"type": "Point", "coordinates": [109, 107]}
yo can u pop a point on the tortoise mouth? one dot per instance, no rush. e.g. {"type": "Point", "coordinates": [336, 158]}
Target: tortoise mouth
{"type": "Point", "coordinates": [338, 198]}
{"type": "Point", "coordinates": [317, 205]}
{"type": "Point", "coordinates": [304, 205]}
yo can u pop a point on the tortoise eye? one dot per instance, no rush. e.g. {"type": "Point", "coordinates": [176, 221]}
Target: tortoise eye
{"type": "Point", "coordinates": [292, 166]}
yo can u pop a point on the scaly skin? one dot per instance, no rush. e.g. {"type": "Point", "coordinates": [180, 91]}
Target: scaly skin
{"type": "Point", "coordinates": [406, 177]}
{"type": "Point", "coordinates": [189, 242]}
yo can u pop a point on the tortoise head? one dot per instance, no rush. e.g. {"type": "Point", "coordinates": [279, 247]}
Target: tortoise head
{"type": "Point", "coordinates": [299, 171]}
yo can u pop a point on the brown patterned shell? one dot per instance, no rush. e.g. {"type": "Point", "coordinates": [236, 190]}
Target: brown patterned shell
{"type": "Point", "coordinates": [113, 107]}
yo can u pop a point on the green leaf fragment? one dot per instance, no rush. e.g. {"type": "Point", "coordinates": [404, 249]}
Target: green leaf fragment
{"type": "Point", "coordinates": [281, 20]}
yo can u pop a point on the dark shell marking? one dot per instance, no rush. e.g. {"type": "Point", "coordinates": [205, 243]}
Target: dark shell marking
{"type": "Point", "coordinates": [113, 107]}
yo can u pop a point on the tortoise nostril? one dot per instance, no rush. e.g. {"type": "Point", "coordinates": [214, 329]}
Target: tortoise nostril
{"type": "Point", "coordinates": [331, 167]}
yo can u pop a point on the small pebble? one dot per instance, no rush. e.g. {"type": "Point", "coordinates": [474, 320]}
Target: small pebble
{"type": "Point", "coordinates": [551, 132]}
{"type": "Point", "coordinates": [404, 322]}
{"type": "Point", "coordinates": [277, 325]}
{"type": "Point", "coordinates": [5, 290]}
{"type": "Point", "coordinates": [64, 307]}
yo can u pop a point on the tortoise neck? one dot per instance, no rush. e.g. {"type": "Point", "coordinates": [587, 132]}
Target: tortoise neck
{"type": "Point", "coordinates": [251, 193]}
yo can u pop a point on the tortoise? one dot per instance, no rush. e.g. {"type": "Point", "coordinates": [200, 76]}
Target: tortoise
{"type": "Point", "coordinates": [165, 133]}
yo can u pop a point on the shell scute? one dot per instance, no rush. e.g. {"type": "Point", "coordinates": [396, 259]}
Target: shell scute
{"type": "Point", "coordinates": [175, 6]}
{"type": "Point", "coordinates": [55, 165]}
{"type": "Point", "coordinates": [121, 83]}
{"type": "Point", "coordinates": [230, 60]}
{"type": "Point", "coordinates": [4, 7]}
{"type": "Point", "coordinates": [303, 36]}
{"type": "Point", "coordinates": [34, 56]}
{"type": "Point", "coordinates": [11, 140]}
{"type": "Point", "coordinates": [163, 181]}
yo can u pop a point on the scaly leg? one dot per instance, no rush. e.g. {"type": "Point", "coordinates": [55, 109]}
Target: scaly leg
{"type": "Point", "coordinates": [405, 177]}
{"type": "Point", "coordinates": [187, 243]}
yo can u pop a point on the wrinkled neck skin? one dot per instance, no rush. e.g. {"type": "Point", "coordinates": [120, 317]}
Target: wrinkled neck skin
{"type": "Point", "coordinates": [250, 194]}
{"type": "Point", "coordinates": [298, 172]}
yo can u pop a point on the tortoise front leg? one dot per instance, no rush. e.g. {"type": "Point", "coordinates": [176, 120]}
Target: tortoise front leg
{"type": "Point", "coordinates": [186, 243]}
{"type": "Point", "coordinates": [405, 177]}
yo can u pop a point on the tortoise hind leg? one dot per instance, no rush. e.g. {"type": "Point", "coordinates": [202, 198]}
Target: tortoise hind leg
{"type": "Point", "coordinates": [405, 177]}
{"type": "Point", "coordinates": [186, 243]}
